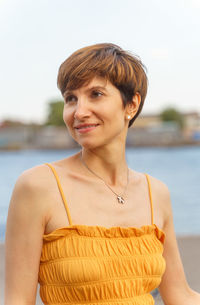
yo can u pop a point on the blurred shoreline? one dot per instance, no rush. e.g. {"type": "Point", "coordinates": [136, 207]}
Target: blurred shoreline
{"type": "Point", "coordinates": [147, 131]}
{"type": "Point", "coordinates": [18, 147]}
{"type": "Point", "coordinates": [189, 247]}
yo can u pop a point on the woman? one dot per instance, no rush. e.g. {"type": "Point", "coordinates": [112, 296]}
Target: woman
{"type": "Point", "coordinates": [90, 229]}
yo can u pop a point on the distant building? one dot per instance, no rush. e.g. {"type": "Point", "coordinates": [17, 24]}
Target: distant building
{"type": "Point", "coordinates": [14, 137]}
{"type": "Point", "coordinates": [146, 121]}
{"type": "Point", "coordinates": [192, 120]}
{"type": "Point", "coordinates": [159, 134]}
{"type": "Point", "coordinates": [53, 137]}
{"type": "Point", "coordinates": [192, 127]}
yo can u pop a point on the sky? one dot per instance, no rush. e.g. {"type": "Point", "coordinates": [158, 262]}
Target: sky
{"type": "Point", "coordinates": [37, 36]}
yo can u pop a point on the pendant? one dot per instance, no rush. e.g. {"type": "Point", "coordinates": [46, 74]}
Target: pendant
{"type": "Point", "coordinates": [120, 199]}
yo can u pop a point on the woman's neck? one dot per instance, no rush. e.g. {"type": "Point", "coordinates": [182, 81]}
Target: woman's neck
{"type": "Point", "coordinates": [108, 163]}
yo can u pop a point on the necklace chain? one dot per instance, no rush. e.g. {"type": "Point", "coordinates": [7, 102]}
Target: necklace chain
{"type": "Point", "coordinates": [120, 198]}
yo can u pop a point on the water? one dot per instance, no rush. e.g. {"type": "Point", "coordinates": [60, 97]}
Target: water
{"type": "Point", "coordinates": [179, 168]}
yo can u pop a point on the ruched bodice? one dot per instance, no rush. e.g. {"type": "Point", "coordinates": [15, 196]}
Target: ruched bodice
{"type": "Point", "coordinates": [97, 265]}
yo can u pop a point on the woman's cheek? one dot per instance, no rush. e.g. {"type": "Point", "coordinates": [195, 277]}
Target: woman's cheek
{"type": "Point", "coordinates": [66, 117]}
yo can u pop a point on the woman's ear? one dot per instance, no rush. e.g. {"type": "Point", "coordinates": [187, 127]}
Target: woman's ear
{"type": "Point", "coordinates": [133, 106]}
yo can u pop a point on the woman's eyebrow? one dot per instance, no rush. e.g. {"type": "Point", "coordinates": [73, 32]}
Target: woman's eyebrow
{"type": "Point", "coordinates": [97, 87]}
{"type": "Point", "coordinates": [67, 92]}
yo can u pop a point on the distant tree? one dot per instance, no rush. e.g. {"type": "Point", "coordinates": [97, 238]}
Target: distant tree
{"type": "Point", "coordinates": [55, 113]}
{"type": "Point", "coordinates": [172, 114]}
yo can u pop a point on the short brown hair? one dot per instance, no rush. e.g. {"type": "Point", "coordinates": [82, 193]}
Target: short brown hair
{"type": "Point", "coordinates": [124, 70]}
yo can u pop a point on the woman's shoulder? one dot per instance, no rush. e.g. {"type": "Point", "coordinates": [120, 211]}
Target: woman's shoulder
{"type": "Point", "coordinates": [33, 187]}
{"type": "Point", "coordinates": [34, 177]}
{"type": "Point", "coordinates": [160, 196]}
{"type": "Point", "coordinates": [39, 180]}
{"type": "Point", "coordinates": [30, 195]}
{"type": "Point", "coordinates": [158, 186]}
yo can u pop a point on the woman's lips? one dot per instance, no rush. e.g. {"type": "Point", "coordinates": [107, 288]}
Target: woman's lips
{"type": "Point", "coordinates": [86, 128]}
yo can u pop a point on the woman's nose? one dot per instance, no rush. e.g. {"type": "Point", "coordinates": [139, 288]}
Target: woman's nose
{"type": "Point", "coordinates": [81, 110]}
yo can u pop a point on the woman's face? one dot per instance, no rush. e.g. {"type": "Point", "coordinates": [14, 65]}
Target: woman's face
{"type": "Point", "coordinates": [94, 114]}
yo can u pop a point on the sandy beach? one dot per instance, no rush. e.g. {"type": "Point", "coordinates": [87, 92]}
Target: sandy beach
{"type": "Point", "coordinates": [190, 253]}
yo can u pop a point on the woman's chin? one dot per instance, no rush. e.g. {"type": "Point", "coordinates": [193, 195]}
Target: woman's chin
{"type": "Point", "coordinates": [89, 144]}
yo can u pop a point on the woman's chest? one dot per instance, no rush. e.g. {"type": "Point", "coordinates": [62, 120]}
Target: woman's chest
{"type": "Point", "coordinates": [94, 204]}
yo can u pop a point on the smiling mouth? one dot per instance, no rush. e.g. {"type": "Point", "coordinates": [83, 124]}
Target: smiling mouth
{"type": "Point", "coordinates": [86, 126]}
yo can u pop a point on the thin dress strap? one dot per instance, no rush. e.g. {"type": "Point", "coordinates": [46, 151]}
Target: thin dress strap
{"type": "Point", "coordinates": [61, 192]}
{"type": "Point", "coordinates": [150, 196]}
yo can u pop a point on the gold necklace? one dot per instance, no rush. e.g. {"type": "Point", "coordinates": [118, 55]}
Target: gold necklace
{"type": "Point", "coordinates": [120, 198]}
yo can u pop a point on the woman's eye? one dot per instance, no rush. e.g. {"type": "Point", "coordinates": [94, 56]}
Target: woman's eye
{"type": "Point", "coordinates": [96, 93]}
{"type": "Point", "coordinates": [70, 98]}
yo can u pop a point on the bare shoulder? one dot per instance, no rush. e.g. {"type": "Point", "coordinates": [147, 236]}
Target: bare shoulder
{"type": "Point", "coordinates": [159, 186]}
{"type": "Point", "coordinates": [31, 188]}
{"type": "Point", "coordinates": [161, 198]}
{"type": "Point", "coordinates": [33, 179]}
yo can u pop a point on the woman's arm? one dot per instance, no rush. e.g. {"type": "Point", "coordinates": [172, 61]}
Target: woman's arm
{"type": "Point", "coordinates": [25, 227]}
{"type": "Point", "coordinates": [174, 288]}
